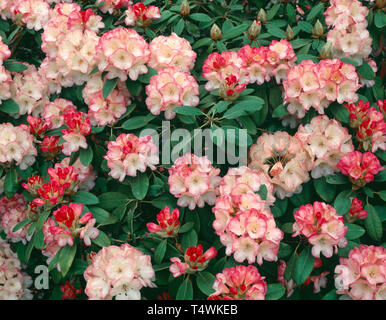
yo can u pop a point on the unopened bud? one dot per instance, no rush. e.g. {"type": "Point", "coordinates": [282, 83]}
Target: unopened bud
{"type": "Point", "coordinates": [326, 52]}
{"type": "Point", "coordinates": [254, 30]}
{"type": "Point", "coordinates": [262, 16]}
{"type": "Point", "coordinates": [215, 33]}
{"type": "Point", "coordinates": [185, 8]}
{"type": "Point", "coordinates": [289, 33]}
{"type": "Point", "coordinates": [318, 31]}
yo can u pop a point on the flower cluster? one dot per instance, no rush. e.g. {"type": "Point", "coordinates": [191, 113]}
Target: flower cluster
{"type": "Point", "coordinates": [168, 223]}
{"type": "Point", "coordinates": [53, 112]}
{"type": "Point", "coordinates": [246, 227]}
{"type": "Point", "coordinates": [194, 181]}
{"type": "Point", "coordinates": [105, 111]}
{"type": "Point", "coordinates": [16, 145]}
{"type": "Point", "coordinates": [322, 226]}
{"type": "Point", "coordinates": [362, 275]}
{"type": "Point", "coordinates": [195, 260]}
{"type": "Point", "coordinates": [356, 211]}
{"type": "Point", "coordinates": [85, 175]}
{"type": "Point", "coordinates": [5, 53]}
{"type": "Point", "coordinates": [317, 85]}
{"type": "Point", "coordinates": [69, 291]}
{"type": "Point", "coordinates": [129, 154]}
{"type": "Point", "coordinates": [118, 272]}
{"type": "Point", "coordinates": [171, 51]}
{"type": "Point", "coordinates": [246, 66]}
{"type": "Point", "coordinates": [349, 37]}
{"type": "Point", "coordinates": [370, 124]}
{"type": "Point", "coordinates": [122, 52]}
{"type": "Point", "coordinates": [69, 41]}
{"type": "Point", "coordinates": [108, 6]}
{"type": "Point", "coordinates": [33, 13]}
{"type": "Point", "coordinates": [285, 160]}
{"type": "Point", "coordinates": [359, 167]}
{"type": "Point", "coordinates": [171, 88]}
{"type": "Point", "coordinates": [12, 212]}
{"type": "Point", "coordinates": [328, 141]}
{"type": "Point", "coordinates": [13, 283]}
{"type": "Point", "coordinates": [141, 15]}
{"type": "Point", "coordinates": [239, 283]}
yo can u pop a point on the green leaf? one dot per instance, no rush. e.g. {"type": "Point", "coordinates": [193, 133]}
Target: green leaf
{"type": "Point", "coordinates": [272, 12]}
{"type": "Point", "coordinates": [336, 179]}
{"type": "Point", "coordinates": [86, 155]}
{"type": "Point", "coordinates": [315, 11]}
{"type": "Point", "coordinates": [21, 225]}
{"type": "Point", "coordinates": [189, 239]}
{"type": "Point", "coordinates": [109, 86]}
{"type": "Point", "coordinates": [274, 291]}
{"type": "Point", "coordinates": [139, 185]}
{"type": "Point", "coordinates": [280, 111]}
{"type": "Point", "coordinates": [342, 203]}
{"type": "Point", "coordinates": [330, 295]}
{"type": "Point", "coordinates": [102, 216]}
{"type": "Point", "coordinates": [290, 269]}
{"type": "Point", "coordinates": [160, 252]}
{"type": "Point", "coordinates": [380, 19]}
{"type": "Point", "coordinates": [200, 17]}
{"type": "Point", "coordinates": [201, 43]}
{"type": "Point", "coordinates": [381, 176]}
{"type": "Point", "coordinates": [354, 231]}
{"type": "Point", "coordinates": [137, 122]}
{"type": "Point", "coordinates": [263, 192]}
{"type": "Point", "coordinates": [304, 266]}
{"type": "Point", "coordinates": [205, 281]}
{"type": "Point", "coordinates": [305, 26]}
{"type": "Point", "coordinates": [284, 250]}
{"type": "Point", "coordinates": [78, 267]}
{"type": "Point", "coordinates": [84, 197]}
{"type": "Point", "coordinates": [340, 112]}
{"type": "Point", "coordinates": [102, 240]}
{"type": "Point", "coordinates": [111, 200]}
{"type": "Point", "coordinates": [14, 66]}
{"type": "Point", "coordinates": [185, 290]}
{"type": "Point", "coordinates": [366, 71]}
{"type": "Point", "coordinates": [276, 32]}
{"type": "Point", "coordinates": [10, 183]}
{"type": "Point", "coordinates": [324, 190]}
{"type": "Point", "coordinates": [382, 195]}
{"type": "Point", "coordinates": [188, 111]}
{"type": "Point", "coordinates": [244, 107]}
{"type": "Point", "coordinates": [291, 12]}
{"type": "Point", "coordinates": [67, 255]}
{"type": "Point", "coordinates": [186, 227]}
{"type": "Point", "coordinates": [373, 223]}
{"type": "Point", "coordinates": [179, 27]}
{"type": "Point", "coordinates": [235, 32]}
{"type": "Point", "coordinates": [9, 106]}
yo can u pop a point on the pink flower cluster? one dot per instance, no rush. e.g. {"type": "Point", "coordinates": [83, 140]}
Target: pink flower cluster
{"type": "Point", "coordinates": [171, 88]}
{"type": "Point", "coordinates": [194, 181]}
{"type": "Point", "coordinates": [322, 226]}
{"type": "Point", "coordinates": [33, 13]}
{"type": "Point", "coordinates": [105, 111]}
{"type": "Point", "coordinates": [370, 124]}
{"type": "Point", "coordinates": [5, 53]}
{"type": "Point", "coordinates": [85, 175]}
{"type": "Point", "coordinates": [328, 141]}
{"type": "Point", "coordinates": [141, 15]}
{"type": "Point", "coordinates": [356, 211]}
{"type": "Point", "coordinates": [16, 144]}
{"type": "Point", "coordinates": [12, 212]}
{"type": "Point", "coordinates": [129, 154]}
{"type": "Point", "coordinates": [171, 51]}
{"type": "Point", "coordinates": [53, 112]}
{"type": "Point", "coordinates": [245, 227]}
{"type": "Point", "coordinates": [168, 223]}
{"type": "Point", "coordinates": [195, 260]}
{"type": "Point", "coordinates": [118, 272]}
{"type": "Point", "coordinates": [13, 283]}
{"type": "Point", "coordinates": [69, 41]}
{"type": "Point", "coordinates": [359, 167]}
{"type": "Point", "coordinates": [285, 160]}
{"type": "Point", "coordinates": [122, 52]}
{"type": "Point", "coordinates": [317, 85]}
{"type": "Point", "coordinates": [109, 6]}
{"type": "Point", "coordinates": [247, 66]}
{"type": "Point", "coordinates": [239, 283]}
{"type": "Point", "coordinates": [362, 275]}
{"type": "Point", "coordinates": [349, 37]}
{"type": "Point", "coordinates": [5, 75]}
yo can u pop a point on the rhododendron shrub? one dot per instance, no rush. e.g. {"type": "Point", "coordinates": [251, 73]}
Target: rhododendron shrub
{"type": "Point", "coordinates": [192, 150]}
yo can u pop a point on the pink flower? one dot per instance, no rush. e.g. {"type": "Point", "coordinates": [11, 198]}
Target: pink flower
{"type": "Point", "coordinates": [109, 5]}
{"type": "Point", "coordinates": [88, 232]}
{"type": "Point", "coordinates": [177, 268]}
{"type": "Point", "coordinates": [34, 13]}
{"type": "Point", "coordinates": [356, 211]}
{"type": "Point", "coordinates": [168, 223]}
{"type": "Point", "coordinates": [141, 15]}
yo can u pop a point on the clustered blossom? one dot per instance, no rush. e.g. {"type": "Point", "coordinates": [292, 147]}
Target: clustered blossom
{"type": "Point", "coordinates": [316, 85]}
{"type": "Point", "coordinates": [348, 37]}
{"type": "Point", "coordinates": [370, 125]}
{"type": "Point", "coordinates": [33, 13]}
{"type": "Point", "coordinates": [78, 127]}
{"type": "Point", "coordinates": [322, 226]}
{"type": "Point", "coordinates": [195, 260]}
{"type": "Point", "coordinates": [231, 71]}
{"type": "Point", "coordinates": [245, 227]}
{"type": "Point", "coordinates": [171, 51]}
{"type": "Point", "coordinates": [239, 283]}
{"type": "Point", "coordinates": [29, 90]}
{"type": "Point", "coordinates": [362, 275]}
{"type": "Point", "coordinates": [171, 88]}
{"type": "Point", "coordinates": [5, 75]}
{"type": "Point", "coordinates": [109, 6]}
{"type": "Point", "coordinates": [69, 41]}
{"type": "Point", "coordinates": [239, 178]}
{"type": "Point", "coordinates": [53, 112]}
{"type": "Point", "coordinates": [16, 145]}
{"type": "Point", "coordinates": [104, 111]}
{"type": "Point", "coordinates": [359, 167]}
{"type": "Point", "coordinates": [86, 176]}
{"type": "Point", "coordinates": [168, 223]}
{"type": "Point", "coordinates": [328, 141]}
{"type": "Point", "coordinates": [12, 212]}
{"type": "Point", "coordinates": [194, 181]}
{"type": "Point", "coordinates": [13, 283]}
{"type": "Point", "coordinates": [69, 291]}
{"type": "Point", "coordinates": [122, 52]}
{"type": "Point", "coordinates": [356, 211]}
{"type": "Point", "coordinates": [141, 15]}
{"type": "Point", "coordinates": [5, 53]}
{"type": "Point", "coordinates": [118, 272]}
{"type": "Point", "coordinates": [285, 160]}
{"type": "Point", "coordinates": [129, 154]}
